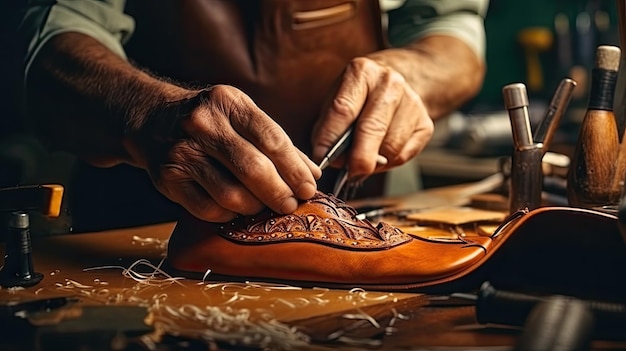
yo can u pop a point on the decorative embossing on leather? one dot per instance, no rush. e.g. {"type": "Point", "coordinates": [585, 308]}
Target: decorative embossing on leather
{"type": "Point", "coordinates": [323, 219]}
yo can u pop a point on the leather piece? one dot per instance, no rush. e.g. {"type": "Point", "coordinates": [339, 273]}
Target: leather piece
{"type": "Point", "coordinates": [562, 250]}
{"type": "Point", "coordinates": [323, 219]}
{"type": "Point", "coordinates": [550, 250]}
{"type": "Point", "coordinates": [197, 246]}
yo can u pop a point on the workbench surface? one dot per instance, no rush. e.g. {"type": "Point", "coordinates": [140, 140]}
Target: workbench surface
{"type": "Point", "coordinates": [127, 267]}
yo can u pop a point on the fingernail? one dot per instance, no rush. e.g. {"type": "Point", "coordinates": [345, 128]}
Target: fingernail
{"type": "Point", "coordinates": [289, 205]}
{"type": "Point", "coordinates": [381, 160]}
{"type": "Point", "coordinates": [317, 173]}
{"type": "Point", "coordinates": [306, 190]}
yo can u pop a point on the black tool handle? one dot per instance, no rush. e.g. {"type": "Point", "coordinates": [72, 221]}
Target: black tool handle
{"type": "Point", "coordinates": [18, 264]}
{"type": "Point", "coordinates": [512, 308]}
{"type": "Point", "coordinates": [558, 323]}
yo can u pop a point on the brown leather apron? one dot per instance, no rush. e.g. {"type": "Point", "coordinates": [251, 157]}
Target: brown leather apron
{"type": "Point", "coordinates": [285, 54]}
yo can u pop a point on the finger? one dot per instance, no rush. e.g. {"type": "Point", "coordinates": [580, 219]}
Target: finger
{"type": "Point", "coordinates": [339, 114]}
{"type": "Point", "coordinates": [175, 183]}
{"type": "Point", "coordinates": [222, 186]}
{"type": "Point", "coordinates": [314, 168]}
{"type": "Point", "coordinates": [253, 148]}
{"type": "Point", "coordinates": [285, 160]}
{"type": "Point", "coordinates": [374, 121]}
{"type": "Point", "coordinates": [409, 131]}
{"type": "Point", "coordinates": [416, 143]}
{"type": "Point", "coordinates": [180, 188]}
{"type": "Point", "coordinates": [188, 164]}
{"type": "Point", "coordinates": [261, 155]}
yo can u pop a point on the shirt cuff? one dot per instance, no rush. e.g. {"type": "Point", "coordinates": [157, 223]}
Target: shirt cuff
{"type": "Point", "coordinates": [103, 21]}
{"type": "Point", "coordinates": [461, 19]}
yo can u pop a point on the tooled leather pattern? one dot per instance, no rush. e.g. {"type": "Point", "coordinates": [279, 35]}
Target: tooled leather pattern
{"type": "Point", "coordinates": [322, 219]}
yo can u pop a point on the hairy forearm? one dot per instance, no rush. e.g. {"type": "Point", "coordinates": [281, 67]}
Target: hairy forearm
{"type": "Point", "coordinates": [82, 98]}
{"type": "Point", "coordinates": [443, 70]}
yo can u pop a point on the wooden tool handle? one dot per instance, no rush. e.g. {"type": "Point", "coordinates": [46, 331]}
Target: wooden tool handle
{"type": "Point", "coordinates": [592, 171]}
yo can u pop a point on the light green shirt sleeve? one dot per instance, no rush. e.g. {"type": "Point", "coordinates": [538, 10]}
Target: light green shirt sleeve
{"type": "Point", "coordinates": [103, 20]}
{"type": "Point", "coordinates": [463, 19]}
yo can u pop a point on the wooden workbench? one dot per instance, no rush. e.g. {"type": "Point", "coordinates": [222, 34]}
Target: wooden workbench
{"type": "Point", "coordinates": [96, 268]}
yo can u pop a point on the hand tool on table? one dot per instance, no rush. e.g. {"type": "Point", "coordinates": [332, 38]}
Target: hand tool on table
{"type": "Point", "coordinates": [559, 323]}
{"type": "Point", "coordinates": [494, 306]}
{"type": "Point", "coordinates": [17, 269]}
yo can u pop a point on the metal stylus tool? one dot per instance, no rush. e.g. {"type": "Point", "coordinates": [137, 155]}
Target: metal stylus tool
{"type": "Point", "coordinates": [343, 182]}
{"type": "Point", "coordinates": [516, 102]}
{"type": "Point", "coordinates": [338, 148]}
{"type": "Point", "coordinates": [550, 122]}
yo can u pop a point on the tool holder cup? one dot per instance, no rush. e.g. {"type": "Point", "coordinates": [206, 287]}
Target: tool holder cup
{"type": "Point", "coordinates": [526, 178]}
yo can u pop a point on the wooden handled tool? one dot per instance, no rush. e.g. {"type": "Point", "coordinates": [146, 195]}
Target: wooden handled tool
{"type": "Point", "coordinates": [593, 167]}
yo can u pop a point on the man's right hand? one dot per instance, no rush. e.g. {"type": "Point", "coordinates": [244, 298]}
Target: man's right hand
{"type": "Point", "coordinates": [230, 158]}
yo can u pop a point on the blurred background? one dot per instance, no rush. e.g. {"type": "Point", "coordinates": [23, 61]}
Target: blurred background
{"type": "Point", "coordinates": [539, 42]}
{"type": "Point", "coordinates": [536, 42]}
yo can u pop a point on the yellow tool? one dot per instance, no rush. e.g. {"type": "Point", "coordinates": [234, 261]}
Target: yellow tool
{"type": "Point", "coordinates": [535, 40]}
{"type": "Point", "coordinates": [44, 198]}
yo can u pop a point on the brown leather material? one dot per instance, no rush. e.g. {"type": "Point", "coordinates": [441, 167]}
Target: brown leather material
{"type": "Point", "coordinates": [551, 249]}
{"type": "Point", "coordinates": [285, 54]}
{"type": "Point", "coordinates": [324, 219]}
{"type": "Point", "coordinates": [566, 250]}
{"type": "Point", "coordinates": [197, 246]}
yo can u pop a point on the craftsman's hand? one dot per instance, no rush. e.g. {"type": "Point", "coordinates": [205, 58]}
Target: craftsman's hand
{"type": "Point", "coordinates": [391, 119]}
{"type": "Point", "coordinates": [228, 158]}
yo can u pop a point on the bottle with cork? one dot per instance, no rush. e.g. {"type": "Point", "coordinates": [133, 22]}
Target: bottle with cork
{"type": "Point", "coordinates": [594, 176]}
